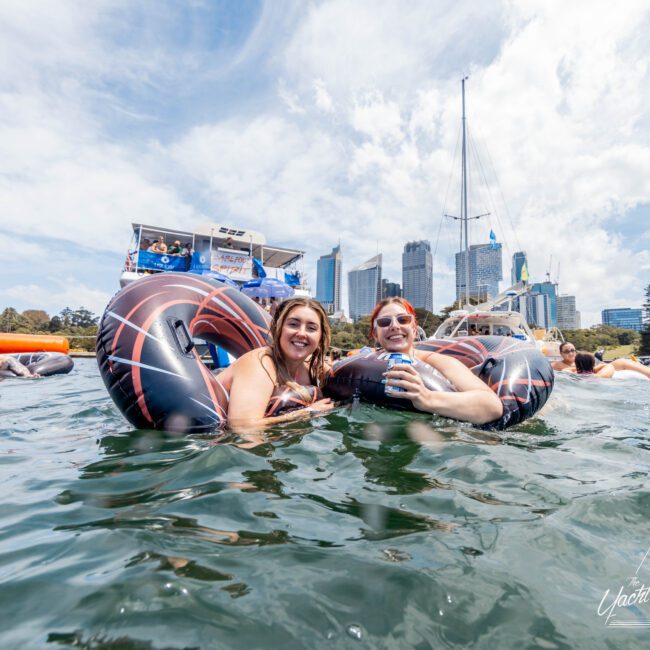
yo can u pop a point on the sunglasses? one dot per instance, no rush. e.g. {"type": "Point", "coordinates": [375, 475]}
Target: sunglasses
{"type": "Point", "coordinates": [402, 319]}
{"type": "Point", "coordinates": [569, 351]}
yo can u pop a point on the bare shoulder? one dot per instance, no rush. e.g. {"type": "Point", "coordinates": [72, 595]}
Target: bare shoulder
{"type": "Point", "coordinates": [254, 363]}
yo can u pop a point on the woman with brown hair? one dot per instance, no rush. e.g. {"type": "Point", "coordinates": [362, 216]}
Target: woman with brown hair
{"type": "Point", "coordinates": [295, 359]}
{"type": "Point", "coordinates": [393, 326]}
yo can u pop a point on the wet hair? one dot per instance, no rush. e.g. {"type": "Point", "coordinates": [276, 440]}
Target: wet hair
{"type": "Point", "coordinates": [585, 363]}
{"type": "Point", "coordinates": [389, 301]}
{"type": "Point", "coordinates": [317, 361]}
{"type": "Point", "coordinates": [563, 344]}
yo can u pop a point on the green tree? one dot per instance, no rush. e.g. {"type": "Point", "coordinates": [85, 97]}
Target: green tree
{"type": "Point", "coordinates": [36, 319]}
{"type": "Point", "coordinates": [11, 321]}
{"type": "Point", "coordinates": [82, 317]}
{"type": "Point", "coordinates": [56, 324]}
{"type": "Point", "coordinates": [427, 320]}
{"type": "Point", "coordinates": [65, 317]}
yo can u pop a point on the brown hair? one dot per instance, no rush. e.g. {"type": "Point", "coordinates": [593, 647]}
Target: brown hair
{"type": "Point", "coordinates": [585, 363]}
{"type": "Point", "coordinates": [388, 301]}
{"type": "Point", "coordinates": [317, 361]}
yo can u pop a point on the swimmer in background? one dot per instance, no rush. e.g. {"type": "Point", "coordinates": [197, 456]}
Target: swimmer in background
{"type": "Point", "coordinates": [586, 365]}
{"type": "Point", "coordinates": [393, 326]}
{"type": "Point", "coordinates": [13, 365]}
{"type": "Point", "coordinates": [569, 363]}
{"type": "Point", "coordinates": [294, 359]}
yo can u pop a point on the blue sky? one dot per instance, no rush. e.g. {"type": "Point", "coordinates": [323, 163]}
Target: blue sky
{"type": "Point", "coordinates": [317, 121]}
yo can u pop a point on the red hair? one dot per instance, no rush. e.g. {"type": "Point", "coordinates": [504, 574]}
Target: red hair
{"type": "Point", "coordinates": [389, 301]}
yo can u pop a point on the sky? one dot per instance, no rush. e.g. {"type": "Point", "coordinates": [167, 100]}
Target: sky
{"type": "Point", "coordinates": [319, 122]}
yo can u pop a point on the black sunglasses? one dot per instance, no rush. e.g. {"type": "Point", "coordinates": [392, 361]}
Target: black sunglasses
{"type": "Point", "coordinates": [402, 319]}
{"type": "Point", "coordinates": [568, 351]}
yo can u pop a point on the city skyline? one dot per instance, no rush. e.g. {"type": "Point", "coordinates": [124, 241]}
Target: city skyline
{"type": "Point", "coordinates": [543, 305]}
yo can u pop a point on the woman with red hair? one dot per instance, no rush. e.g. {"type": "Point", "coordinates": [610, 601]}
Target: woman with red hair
{"type": "Point", "coordinates": [393, 326]}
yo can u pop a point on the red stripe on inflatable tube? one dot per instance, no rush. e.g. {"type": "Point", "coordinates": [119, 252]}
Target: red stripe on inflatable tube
{"type": "Point", "coordinates": [515, 370]}
{"type": "Point", "coordinates": [145, 354]}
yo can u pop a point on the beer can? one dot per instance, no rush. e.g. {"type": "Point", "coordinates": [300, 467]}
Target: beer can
{"type": "Point", "coordinates": [394, 359]}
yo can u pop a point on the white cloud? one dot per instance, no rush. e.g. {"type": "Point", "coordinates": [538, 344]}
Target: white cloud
{"type": "Point", "coordinates": [322, 98]}
{"type": "Point", "coordinates": [68, 294]}
{"type": "Point", "coordinates": [352, 136]}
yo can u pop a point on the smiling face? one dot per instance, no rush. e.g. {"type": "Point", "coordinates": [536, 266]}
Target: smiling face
{"type": "Point", "coordinates": [395, 336]}
{"type": "Point", "coordinates": [568, 352]}
{"type": "Point", "coordinates": [301, 333]}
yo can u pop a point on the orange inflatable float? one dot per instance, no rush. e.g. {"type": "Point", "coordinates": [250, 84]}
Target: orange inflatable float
{"type": "Point", "coordinates": [32, 343]}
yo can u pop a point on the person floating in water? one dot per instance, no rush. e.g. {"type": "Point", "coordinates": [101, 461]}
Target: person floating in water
{"type": "Point", "coordinates": [13, 365]}
{"type": "Point", "coordinates": [393, 326]}
{"type": "Point", "coordinates": [295, 358]}
{"type": "Point", "coordinates": [569, 363]}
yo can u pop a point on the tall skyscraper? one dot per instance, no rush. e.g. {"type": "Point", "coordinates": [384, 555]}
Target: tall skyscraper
{"type": "Point", "coordinates": [518, 261]}
{"type": "Point", "coordinates": [538, 309]}
{"type": "Point", "coordinates": [364, 287]}
{"type": "Point", "coordinates": [328, 280]}
{"type": "Point", "coordinates": [547, 288]}
{"type": "Point", "coordinates": [390, 289]}
{"type": "Point", "coordinates": [567, 316]}
{"type": "Point", "coordinates": [417, 274]}
{"type": "Point", "coordinates": [484, 272]}
{"type": "Point", "coordinates": [631, 319]}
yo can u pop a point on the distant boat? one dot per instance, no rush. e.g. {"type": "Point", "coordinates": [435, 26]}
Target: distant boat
{"type": "Point", "coordinates": [236, 253]}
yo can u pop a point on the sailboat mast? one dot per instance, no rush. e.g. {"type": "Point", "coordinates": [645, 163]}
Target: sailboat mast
{"type": "Point", "coordinates": [463, 206]}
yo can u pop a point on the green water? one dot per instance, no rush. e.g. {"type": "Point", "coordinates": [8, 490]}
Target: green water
{"type": "Point", "coordinates": [365, 528]}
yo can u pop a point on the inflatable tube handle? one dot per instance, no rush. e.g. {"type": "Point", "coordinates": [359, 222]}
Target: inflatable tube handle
{"type": "Point", "coordinates": [181, 336]}
{"type": "Point", "coordinates": [485, 367]}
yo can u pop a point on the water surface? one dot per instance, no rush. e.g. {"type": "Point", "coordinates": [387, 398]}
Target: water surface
{"type": "Point", "coordinates": [365, 528]}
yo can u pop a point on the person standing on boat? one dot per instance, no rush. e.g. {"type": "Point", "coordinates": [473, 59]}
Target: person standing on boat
{"type": "Point", "coordinates": [187, 255]}
{"type": "Point", "coordinates": [393, 326]}
{"type": "Point", "coordinates": [13, 365]}
{"type": "Point", "coordinates": [159, 246]}
{"type": "Point", "coordinates": [295, 359]}
{"type": "Point", "coordinates": [175, 248]}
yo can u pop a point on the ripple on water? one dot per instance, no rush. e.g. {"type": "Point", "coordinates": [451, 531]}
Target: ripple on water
{"type": "Point", "coordinates": [365, 528]}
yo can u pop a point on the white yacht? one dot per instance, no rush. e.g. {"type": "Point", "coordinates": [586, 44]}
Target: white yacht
{"type": "Point", "coordinates": [237, 253]}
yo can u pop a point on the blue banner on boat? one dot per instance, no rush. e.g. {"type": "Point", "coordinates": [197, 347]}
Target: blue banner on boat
{"type": "Point", "coordinates": [200, 261]}
{"type": "Point", "coordinates": [292, 279]}
{"type": "Point", "coordinates": [161, 262]}
{"type": "Point", "coordinates": [259, 268]}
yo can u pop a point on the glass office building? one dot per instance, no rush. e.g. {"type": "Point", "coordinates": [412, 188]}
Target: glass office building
{"type": "Point", "coordinates": [547, 318]}
{"type": "Point", "coordinates": [518, 261]}
{"type": "Point", "coordinates": [625, 317]}
{"type": "Point", "coordinates": [485, 272]}
{"type": "Point", "coordinates": [567, 316]}
{"type": "Point", "coordinates": [390, 289]}
{"type": "Point", "coordinates": [417, 274]}
{"type": "Point", "coordinates": [328, 281]}
{"type": "Point", "coordinates": [364, 287]}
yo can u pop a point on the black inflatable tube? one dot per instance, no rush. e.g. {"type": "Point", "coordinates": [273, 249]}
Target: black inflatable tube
{"type": "Point", "coordinates": [147, 358]}
{"type": "Point", "coordinates": [515, 370]}
{"type": "Point", "coordinates": [44, 364]}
